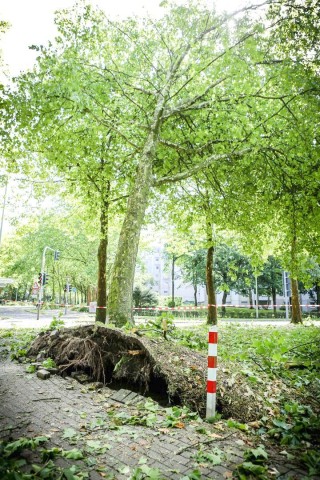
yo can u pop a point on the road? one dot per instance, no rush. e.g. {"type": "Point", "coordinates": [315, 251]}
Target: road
{"type": "Point", "coordinates": [18, 316]}
{"type": "Point", "coordinates": [25, 316]}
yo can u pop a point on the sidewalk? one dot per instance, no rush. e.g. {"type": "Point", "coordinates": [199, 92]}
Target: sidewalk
{"type": "Point", "coordinates": [32, 407]}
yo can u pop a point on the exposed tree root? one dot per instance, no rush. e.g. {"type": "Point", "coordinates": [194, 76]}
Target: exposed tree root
{"type": "Point", "coordinates": [148, 366]}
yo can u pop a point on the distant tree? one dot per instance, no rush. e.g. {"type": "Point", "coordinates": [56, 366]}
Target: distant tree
{"type": "Point", "coordinates": [270, 280]}
{"type": "Point", "coordinates": [233, 271]}
{"type": "Point", "coordinates": [144, 298]}
{"type": "Point", "coordinates": [193, 268]}
{"type": "Point", "coordinates": [21, 254]}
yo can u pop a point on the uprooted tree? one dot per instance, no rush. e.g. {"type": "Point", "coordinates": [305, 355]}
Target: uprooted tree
{"type": "Point", "coordinates": [149, 366]}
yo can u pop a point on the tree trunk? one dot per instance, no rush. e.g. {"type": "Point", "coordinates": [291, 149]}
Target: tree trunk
{"type": "Point", "coordinates": [121, 288]}
{"type": "Point", "coordinates": [296, 316]}
{"type": "Point", "coordinates": [274, 301]}
{"type": "Point", "coordinates": [250, 299]}
{"type": "Point", "coordinates": [101, 312]}
{"type": "Point", "coordinates": [212, 317]}
{"type": "Point", "coordinates": [172, 280]}
{"type": "Point", "coordinates": [318, 298]}
{"type": "Point", "coordinates": [224, 299]}
{"type": "Point", "coordinates": [195, 291]}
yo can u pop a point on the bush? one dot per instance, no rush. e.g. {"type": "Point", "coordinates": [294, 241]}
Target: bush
{"type": "Point", "coordinates": [144, 298]}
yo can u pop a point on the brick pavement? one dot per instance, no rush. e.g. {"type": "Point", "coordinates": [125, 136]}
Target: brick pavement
{"type": "Point", "coordinates": [31, 406]}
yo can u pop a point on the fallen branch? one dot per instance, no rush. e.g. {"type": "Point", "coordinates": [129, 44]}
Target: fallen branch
{"type": "Point", "coordinates": [206, 442]}
{"type": "Point", "coordinates": [45, 399]}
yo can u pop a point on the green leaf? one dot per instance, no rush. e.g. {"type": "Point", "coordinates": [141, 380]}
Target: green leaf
{"type": "Point", "coordinates": [73, 454]}
{"type": "Point", "coordinates": [235, 424]}
{"type": "Point", "coordinates": [69, 433]}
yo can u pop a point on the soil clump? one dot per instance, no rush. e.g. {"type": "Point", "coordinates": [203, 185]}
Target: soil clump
{"type": "Point", "coordinates": [148, 366]}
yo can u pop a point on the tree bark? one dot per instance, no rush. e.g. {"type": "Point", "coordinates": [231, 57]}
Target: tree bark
{"type": "Point", "coordinates": [318, 298]}
{"type": "Point", "coordinates": [195, 291]}
{"type": "Point", "coordinates": [250, 299]}
{"type": "Point", "coordinates": [212, 315]}
{"type": "Point", "coordinates": [172, 280]}
{"type": "Point", "coordinates": [121, 288]}
{"type": "Point", "coordinates": [101, 312]}
{"type": "Point", "coordinates": [224, 299]}
{"type": "Point", "coordinates": [274, 301]}
{"type": "Point", "coordinates": [296, 316]}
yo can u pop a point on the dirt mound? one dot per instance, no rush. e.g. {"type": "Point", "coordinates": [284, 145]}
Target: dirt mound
{"type": "Point", "coordinates": [148, 366]}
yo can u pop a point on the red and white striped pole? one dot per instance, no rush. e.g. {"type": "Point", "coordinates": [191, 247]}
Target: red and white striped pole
{"type": "Point", "coordinates": [212, 372]}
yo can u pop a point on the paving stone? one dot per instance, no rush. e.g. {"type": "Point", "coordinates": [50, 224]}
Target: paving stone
{"type": "Point", "coordinates": [53, 370]}
{"type": "Point", "coordinates": [126, 397]}
{"type": "Point", "coordinates": [129, 399]}
{"type": "Point", "coordinates": [43, 374]}
{"type": "Point", "coordinates": [128, 444]}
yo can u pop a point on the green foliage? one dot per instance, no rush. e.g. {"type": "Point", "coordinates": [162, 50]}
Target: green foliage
{"type": "Point", "coordinates": [96, 447]}
{"type": "Point", "coordinates": [22, 251]}
{"type": "Point", "coordinates": [12, 448]}
{"type": "Point", "coordinates": [17, 341]}
{"type": "Point", "coordinates": [191, 339]}
{"type": "Point", "coordinates": [31, 369]}
{"type": "Point", "coordinates": [311, 459]}
{"type": "Point", "coordinates": [234, 424]}
{"type": "Point", "coordinates": [49, 363]}
{"type": "Point", "coordinates": [144, 472]}
{"type": "Point", "coordinates": [56, 324]}
{"type": "Point", "coordinates": [163, 319]}
{"type": "Point", "coordinates": [13, 467]}
{"type": "Point", "coordinates": [71, 435]}
{"type": "Point", "coordinates": [214, 457]}
{"type": "Point", "coordinates": [175, 416]}
{"type": "Point", "coordinates": [150, 414]}
{"type": "Point", "coordinates": [297, 423]}
{"type": "Point", "coordinates": [143, 298]}
{"type": "Point", "coordinates": [254, 464]}
{"type": "Point", "coordinates": [74, 454]}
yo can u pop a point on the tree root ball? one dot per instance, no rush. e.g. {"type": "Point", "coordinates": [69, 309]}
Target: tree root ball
{"type": "Point", "coordinates": [149, 366]}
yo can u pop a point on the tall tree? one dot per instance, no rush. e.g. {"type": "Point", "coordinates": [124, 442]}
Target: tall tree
{"type": "Point", "coordinates": [193, 268]}
{"type": "Point", "coordinates": [270, 281]}
{"type": "Point", "coordinates": [193, 50]}
{"type": "Point", "coordinates": [56, 106]}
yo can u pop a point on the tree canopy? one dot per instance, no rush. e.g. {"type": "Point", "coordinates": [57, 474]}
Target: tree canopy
{"type": "Point", "coordinates": [126, 110]}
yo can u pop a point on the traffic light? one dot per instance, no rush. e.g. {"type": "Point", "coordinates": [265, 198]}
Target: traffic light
{"type": "Point", "coordinates": [40, 278]}
{"type": "Point", "coordinates": [65, 288]}
{"type": "Point", "coordinates": [70, 286]}
{"type": "Point", "coordinates": [56, 255]}
{"type": "Point", "coordinates": [45, 278]}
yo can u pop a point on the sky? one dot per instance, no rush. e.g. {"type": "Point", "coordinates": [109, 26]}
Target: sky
{"type": "Point", "coordinates": [32, 23]}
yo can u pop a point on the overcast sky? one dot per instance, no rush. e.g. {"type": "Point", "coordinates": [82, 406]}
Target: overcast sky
{"type": "Point", "coordinates": [32, 23]}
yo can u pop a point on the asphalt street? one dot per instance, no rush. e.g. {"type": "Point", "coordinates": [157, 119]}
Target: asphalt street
{"type": "Point", "coordinates": [25, 316]}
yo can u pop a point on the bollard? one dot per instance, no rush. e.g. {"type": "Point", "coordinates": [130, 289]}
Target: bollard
{"type": "Point", "coordinates": [212, 372]}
